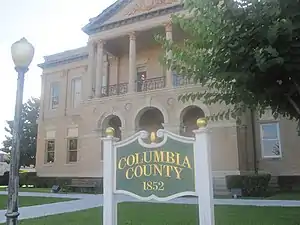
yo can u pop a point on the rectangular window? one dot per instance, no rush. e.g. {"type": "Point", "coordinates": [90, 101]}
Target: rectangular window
{"type": "Point", "coordinates": [270, 140]}
{"type": "Point", "coordinates": [54, 100]}
{"type": "Point", "coordinates": [76, 92]}
{"type": "Point", "coordinates": [72, 149]}
{"type": "Point", "coordinates": [50, 151]}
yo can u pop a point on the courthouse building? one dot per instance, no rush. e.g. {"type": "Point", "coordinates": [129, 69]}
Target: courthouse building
{"type": "Point", "coordinates": [117, 80]}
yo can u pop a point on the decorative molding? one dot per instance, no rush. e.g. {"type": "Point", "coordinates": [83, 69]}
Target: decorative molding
{"type": "Point", "coordinates": [132, 36]}
{"type": "Point", "coordinates": [148, 5]}
{"type": "Point", "coordinates": [168, 26]}
{"type": "Point", "coordinates": [95, 28]}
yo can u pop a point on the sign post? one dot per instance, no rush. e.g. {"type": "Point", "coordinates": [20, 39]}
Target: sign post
{"type": "Point", "coordinates": [176, 166]}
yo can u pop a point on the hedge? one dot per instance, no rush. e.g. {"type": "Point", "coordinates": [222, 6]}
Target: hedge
{"type": "Point", "coordinates": [251, 185]}
{"type": "Point", "coordinates": [289, 183]}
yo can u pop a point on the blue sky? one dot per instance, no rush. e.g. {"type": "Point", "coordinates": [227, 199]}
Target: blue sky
{"type": "Point", "coordinates": [51, 26]}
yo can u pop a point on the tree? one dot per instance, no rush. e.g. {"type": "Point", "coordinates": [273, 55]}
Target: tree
{"type": "Point", "coordinates": [30, 113]}
{"type": "Point", "coordinates": [245, 52]}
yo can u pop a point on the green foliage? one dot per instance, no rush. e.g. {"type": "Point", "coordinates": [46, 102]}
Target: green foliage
{"type": "Point", "coordinates": [246, 54]}
{"type": "Point", "coordinates": [251, 185]}
{"type": "Point", "coordinates": [28, 135]}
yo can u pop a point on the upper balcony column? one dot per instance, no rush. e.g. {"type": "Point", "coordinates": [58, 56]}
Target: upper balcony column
{"type": "Point", "coordinates": [169, 37]}
{"type": "Point", "coordinates": [132, 62]}
{"type": "Point", "coordinates": [99, 68]}
{"type": "Point", "coordinates": [91, 69]}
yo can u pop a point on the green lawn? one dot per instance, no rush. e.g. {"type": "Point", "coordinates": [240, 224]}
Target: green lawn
{"type": "Point", "coordinates": [23, 189]}
{"type": "Point", "coordinates": [169, 214]}
{"type": "Point", "coordinates": [29, 201]}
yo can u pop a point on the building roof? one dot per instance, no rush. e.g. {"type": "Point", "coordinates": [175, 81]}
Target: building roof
{"type": "Point", "coordinates": [104, 15]}
{"type": "Point", "coordinates": [64, 57]}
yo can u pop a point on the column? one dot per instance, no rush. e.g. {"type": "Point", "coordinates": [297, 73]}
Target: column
{"type": "Point", "coordinates": [99, 68]}
{"type": "Point", "coordinates": [169, 37]}
{"type": "Point", "coordinates": [91, 71]}
{"type": "Point", "coordinates": [132, 62]}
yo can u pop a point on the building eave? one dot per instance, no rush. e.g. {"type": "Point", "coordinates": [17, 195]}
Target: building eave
{"type": "Point", "coordinates": [65, 57]}
{"type": "Point", "coordinates": [98, 27]}
{"type": "Point", "coordinates": [105, 15]}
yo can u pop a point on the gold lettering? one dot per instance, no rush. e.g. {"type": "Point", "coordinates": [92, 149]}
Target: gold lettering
{"type": "Point", "coordinates": [138, 172]}
{"type": "Point", "coordinates": [120, 167]}
{"type": "Point", "coordinates": [158, 156]}
{"type": "Point", "coordinates": [170, 157]}
{"type": "Point", "coordinates": [168, 170]}
{"type": "Point", "coordinates": [145, 157]}
{"type": "Point", "coordinates": [186, 163]}
{"type": "Point", "coordinates": [137, 158]}
{"type": "Point", "coordinates": [158, 169]}
{"type": "Point", "coordinates": [178, 171]}
{"type": "Point", "coordinates": [149, 170]}
{"type": "Point", "coordinates": [177, 159]}
{"type": "Point", "coordinates": [130, 162]}
{"type": "Point", "coordinates": [127, 174]}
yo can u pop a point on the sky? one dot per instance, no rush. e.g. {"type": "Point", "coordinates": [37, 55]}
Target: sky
{"type": "Point", "coordinates": [51, 26]}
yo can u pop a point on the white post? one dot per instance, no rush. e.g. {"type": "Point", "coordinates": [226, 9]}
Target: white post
{"type": "Point", "coordinates": [109, 203]}
{"type": "Point", "coordinates": [203, 174]}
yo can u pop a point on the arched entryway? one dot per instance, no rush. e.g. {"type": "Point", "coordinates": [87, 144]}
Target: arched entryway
{"type": "Point", "coordinates": [149, 119]}
{"type": "Point", "coordinates": [114, 122]}
{"type": "Point", "coordinates": [188, 120]}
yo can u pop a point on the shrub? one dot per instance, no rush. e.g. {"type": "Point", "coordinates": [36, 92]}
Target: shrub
{"type": "Point", "coordinates": [251, 185]}
{"type": "Point", "coordinates": [288, 183]}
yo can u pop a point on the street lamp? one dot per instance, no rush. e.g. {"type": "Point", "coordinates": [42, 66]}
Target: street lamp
{"type": "Point", "coordinates": [22, 54]}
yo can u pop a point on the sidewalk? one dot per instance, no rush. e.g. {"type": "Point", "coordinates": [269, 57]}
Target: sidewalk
{"type": "Point", "coordinates": [87, 201]}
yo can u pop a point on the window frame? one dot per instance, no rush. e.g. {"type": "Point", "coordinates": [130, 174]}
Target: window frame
{"type": "Point", "coordinates": [47, 151]}
{"type": "Point", "coordinates": [263, 155]}
{"type": "Point", "coordinates": [52, 85]}
{"type": "Point", "coordinates": [73, 82]}
{"type": "Point", "coordinates": [68, 150]}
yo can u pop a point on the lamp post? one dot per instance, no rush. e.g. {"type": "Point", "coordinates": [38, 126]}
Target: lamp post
{"type": "Point", "coordinates": [22, 54]}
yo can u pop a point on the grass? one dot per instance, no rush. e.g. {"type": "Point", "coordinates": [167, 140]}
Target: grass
{"type": "Point", "coordinates": [170, 214]}
{"type": "Point", "coordinates": [23, 189]}
{"type": "Point", "coordinates": [30, 201]}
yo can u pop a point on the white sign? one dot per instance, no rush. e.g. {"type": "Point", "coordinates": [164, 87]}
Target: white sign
{"type": "Point", "coordinates": [203, 172]}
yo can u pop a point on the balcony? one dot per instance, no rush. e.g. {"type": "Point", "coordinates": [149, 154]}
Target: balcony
{"type": "Point", "coordinates": [151, 84]}
{"type": "Point", "coordinates": [116, 89]}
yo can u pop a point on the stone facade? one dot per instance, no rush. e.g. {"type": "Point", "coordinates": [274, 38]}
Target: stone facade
{"type": "Point", "coordinates": [122, 84]}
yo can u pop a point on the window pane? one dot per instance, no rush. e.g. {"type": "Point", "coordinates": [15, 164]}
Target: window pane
{"type": "Point", "coordinates": [76, 92]}
{"type": "Point", "coordinates": [50, 157]}
{"type": "Point", "coordinates": [271, 148]}
{"type": "Point", "coordinates": [54, 95]}
{"type": "Point", "coordinates": [50, 146]}
{"type": "Point", "coordinates": [72, 156]}
{"type": "Point", "coordinates": [73, 144]}
{"type": "Point", "coordinates": [269, 131]}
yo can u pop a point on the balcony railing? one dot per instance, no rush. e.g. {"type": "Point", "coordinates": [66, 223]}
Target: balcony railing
{"type": "Point", "coordinates": [116, 89]}
{"type": "Point", "coordinates": [150, 84]}
{"type": "Point", "coordinates": [182, 81]}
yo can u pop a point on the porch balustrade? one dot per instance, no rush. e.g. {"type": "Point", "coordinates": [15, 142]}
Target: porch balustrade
{"type": "Point", "coordinates": [116, 89]}
{"type": "Point", "coordinates": [151, 84]}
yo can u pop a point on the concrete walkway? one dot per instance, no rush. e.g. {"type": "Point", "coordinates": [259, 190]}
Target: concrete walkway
{"type": "Point", "coordinates": [88, 201]}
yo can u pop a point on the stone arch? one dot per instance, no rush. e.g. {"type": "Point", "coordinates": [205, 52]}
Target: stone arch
{"type": "Point", "coordinates": [149, 119]}
{"type": "Point", "coordinates": [113, 121]}
{"type": "Point", "coordinates": [101, 121]}
{"type": "Point", "coordinates": [188, 118]}
{"type": "Point", "coordinates": [149, 103]}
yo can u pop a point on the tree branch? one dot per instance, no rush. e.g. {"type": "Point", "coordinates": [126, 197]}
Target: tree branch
{"type": "Point", "coordinates": [294, 104]}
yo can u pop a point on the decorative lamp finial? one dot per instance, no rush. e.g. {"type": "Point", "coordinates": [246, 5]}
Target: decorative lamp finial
{"type": "Point", "coordinates": [202, 122]}
{"type": "Point", "coordinates": [152, 137]}
{"type": "Point", "coordinates": [110, 132]}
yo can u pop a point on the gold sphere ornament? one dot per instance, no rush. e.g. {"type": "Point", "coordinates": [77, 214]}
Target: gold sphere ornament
{"type": "Point", "coordinates": [202, 122]}
{"type": "Point", "coordinates": [110, 131]}
{"type": "Point", "coordinates": [152, 137]}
